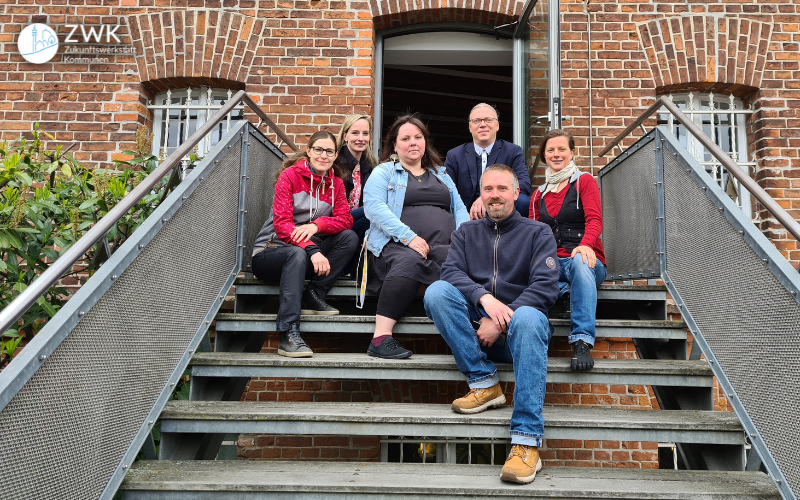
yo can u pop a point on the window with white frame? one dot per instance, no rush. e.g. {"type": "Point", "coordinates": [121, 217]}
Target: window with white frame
{"type": "Point", "coordinates": [177, 114]}
{"type": "Point", "coordinates": [723, 118]}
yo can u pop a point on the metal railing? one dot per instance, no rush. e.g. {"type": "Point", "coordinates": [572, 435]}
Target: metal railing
{"type": "Point", "coordinates": [664, 215]}
{"type": "Point", "coordinates": [733, 168]}
{"type": "Point", "coordinates": [77, 403]}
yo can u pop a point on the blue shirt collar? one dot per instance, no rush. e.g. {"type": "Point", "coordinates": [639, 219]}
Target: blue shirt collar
{"type": "Point", "coordinates": [479, 150]}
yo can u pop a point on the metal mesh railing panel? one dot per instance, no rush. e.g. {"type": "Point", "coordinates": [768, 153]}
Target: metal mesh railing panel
{"type": "Point", "coordinates": [749, 319]}
{"type": "Point", "coordinates": [262, 163]}
{"type": "Point", "coordinates": [66, 431]}
{"type": "Point", "coordinates": [630, 229]}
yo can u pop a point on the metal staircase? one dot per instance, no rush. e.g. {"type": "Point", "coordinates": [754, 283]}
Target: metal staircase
{"type": "Point", "coordinates": [81, 400]}
{"type": "Point", "coordinates": [215, 410]}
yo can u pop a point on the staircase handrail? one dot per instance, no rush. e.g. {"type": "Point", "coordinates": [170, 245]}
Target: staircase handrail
{"type": "Point", "coordinates": [13, 311]}
{"type": "Point", "coordinates": [777, 211]}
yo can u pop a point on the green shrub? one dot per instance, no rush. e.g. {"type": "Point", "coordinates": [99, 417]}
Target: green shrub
{"type": "Point", "coordinates": [48, 200]}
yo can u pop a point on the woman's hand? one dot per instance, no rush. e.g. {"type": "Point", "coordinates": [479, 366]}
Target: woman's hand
{"type": "Point", "coordinates": [588, 255]}
{"type": "Point", "coordinates": [477, 211]}
{"type": "Point", "coordinates": [304, 233]}
{"type": "Point", "coordinates": [420, 246]}
{"type": "Point", "coordinates": [321, 265]}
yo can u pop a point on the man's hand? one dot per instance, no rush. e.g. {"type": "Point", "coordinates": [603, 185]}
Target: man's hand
{"type": "Point", "coordinates": [499, 313]}
{"type": "Point", "coordinates": [488, 333]}
{"type": "Point", "coordinates": [588, 255]}
{"type": "Point", "coordinates": [477, 211]}
{"type": "Point", "coordinates": [420, 246]}
{"type": "Point", "coordinates": [321, 265]}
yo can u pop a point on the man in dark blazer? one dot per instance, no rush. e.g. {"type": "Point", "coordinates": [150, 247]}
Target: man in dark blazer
{"type": "Point", "coordinates": [465, 164]}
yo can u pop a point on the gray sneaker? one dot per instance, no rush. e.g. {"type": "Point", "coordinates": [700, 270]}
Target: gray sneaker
{"type": "Point", "coordinates": [292, 345]}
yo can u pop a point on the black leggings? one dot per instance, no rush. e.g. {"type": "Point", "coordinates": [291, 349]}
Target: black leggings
{"type": "Point", "coordinates": [397, 295]}
{"type": "Point", "coordinates": [290, 265]}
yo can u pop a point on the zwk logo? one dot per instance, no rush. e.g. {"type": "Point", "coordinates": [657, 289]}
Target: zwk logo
{"type": "Point", "coordinates": [37, 43]}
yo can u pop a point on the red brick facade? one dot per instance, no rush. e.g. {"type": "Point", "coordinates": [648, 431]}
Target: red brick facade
{"type": "Point", "coordinates": [309, 63]}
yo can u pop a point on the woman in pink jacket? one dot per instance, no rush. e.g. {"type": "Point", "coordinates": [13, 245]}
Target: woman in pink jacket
{"type": "Point", "coordinates": [307, 236]}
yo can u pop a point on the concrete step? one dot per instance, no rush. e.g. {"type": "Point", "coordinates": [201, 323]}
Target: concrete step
{"type": "Point", "coordinates": [616, 328]}
{"type": "Point", "coordinates": [443, 367]}
{"type": "Point", "coordinates": [251, 286]}
{"type": "Point", "coordinates": [407, 419]}
{"type": "Point", "coordinates": [251, 480]}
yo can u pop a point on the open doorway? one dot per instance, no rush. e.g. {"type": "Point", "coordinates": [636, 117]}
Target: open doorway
{"type": "Point", "coordinates": [441, 76]}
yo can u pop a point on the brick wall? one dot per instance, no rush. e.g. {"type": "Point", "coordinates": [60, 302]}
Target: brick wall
{"type": "Point", "coordinates": [309, 63]}
{"type": "Point", "coordinates": [641, 50]}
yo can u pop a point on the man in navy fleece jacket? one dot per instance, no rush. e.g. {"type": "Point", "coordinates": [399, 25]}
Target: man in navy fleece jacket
{"type": "Point", "coordinates": [497, 284]}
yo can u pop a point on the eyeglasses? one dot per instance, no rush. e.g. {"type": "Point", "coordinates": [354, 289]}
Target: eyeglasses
{"type": "Point", "coordinates": [318, 151]}
{"type": "Point", "coordinates": [487, 121]}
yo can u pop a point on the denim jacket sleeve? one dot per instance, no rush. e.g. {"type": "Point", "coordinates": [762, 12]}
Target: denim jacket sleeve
{"type": "Point", "coordinates": [456, 204]}
{"type": "Point", "coordinates": [378, 193]}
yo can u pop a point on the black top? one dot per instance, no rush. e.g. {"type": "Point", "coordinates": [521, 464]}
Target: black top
{"type": "Point", "coordinates": [426, 210]}
{"type": "Point", "coordinates": [569, 223]}
{"type": "Point", "coordinates": [347, 159]}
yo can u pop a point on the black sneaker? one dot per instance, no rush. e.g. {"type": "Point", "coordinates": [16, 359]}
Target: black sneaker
{"type": "Point", "coordinates": [582, 357]}
{"type": "Point", "coordinates": [311, 303]}
{"type": "Point", "coordinates": [292, 345]}
{"type": "Point", "coordinates": [566, 307]}
{"type": "Point", "coordinates": [389, 349]}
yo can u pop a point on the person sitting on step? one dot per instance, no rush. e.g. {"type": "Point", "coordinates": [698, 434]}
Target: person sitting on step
{"type": "Point", "coordinates": [413, 207]}
{"type": "Point", "coordinates": [569, 202]}
{"type": "Point", "coordinates": [307, 235]}
{"type": "Point", "coordinates": [465, 163]}
{"type": "Point", "coordinates": [492, 305]}
{"type": "Point", "coordinates": [355, 155]}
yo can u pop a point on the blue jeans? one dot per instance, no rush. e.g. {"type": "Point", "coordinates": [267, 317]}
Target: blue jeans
{"type": "Point", "coordinates": [581, 282]}
{"type": "Point", "coordinates": [360, 223]}
{"type": "Point", "coordinates": [525, 345]}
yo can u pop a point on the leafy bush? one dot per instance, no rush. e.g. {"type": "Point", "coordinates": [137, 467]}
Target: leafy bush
{"type": "Point", "coordinates": [48, 200]}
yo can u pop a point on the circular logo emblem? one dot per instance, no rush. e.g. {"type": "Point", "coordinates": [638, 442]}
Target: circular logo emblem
{"type": "Point", "coordinates": [551, 262]}
{"type": "Point", "coordinates": [37, 43]}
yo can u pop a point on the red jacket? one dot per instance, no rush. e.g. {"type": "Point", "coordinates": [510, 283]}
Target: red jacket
{"type": "Point", "coordinates": [589, 196]}
{"type": "Point", "coordinates": [302, 197]}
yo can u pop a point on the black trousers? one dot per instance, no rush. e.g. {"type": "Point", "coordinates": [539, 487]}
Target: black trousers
{"type": "Point", "coordinates": [289, 265]}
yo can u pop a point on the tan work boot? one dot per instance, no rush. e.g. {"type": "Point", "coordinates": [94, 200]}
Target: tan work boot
{"type": "Point", "coordinates": [522, 464]}
{"type": "Point", "coordinates": [478, 400]}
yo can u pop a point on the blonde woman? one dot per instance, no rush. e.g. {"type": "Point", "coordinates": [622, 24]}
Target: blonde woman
{"type": "Point", "coordinates": [357, 161]}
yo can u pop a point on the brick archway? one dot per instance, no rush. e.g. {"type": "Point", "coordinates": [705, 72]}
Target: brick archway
{"type": "Point", "coordinates": [391, 13]}
{"type": "Point", "coordinates": [700, 50]}
{"type": "Point", "coordinates": [178, 48]}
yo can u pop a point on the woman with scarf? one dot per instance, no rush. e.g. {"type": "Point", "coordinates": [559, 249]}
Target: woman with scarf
{"type": "Point", "coordinates": [307, 235]}
{"type": "Point", "coordinates": [357, 159]}
{"type": "Point", "coordinates": [569, 202]}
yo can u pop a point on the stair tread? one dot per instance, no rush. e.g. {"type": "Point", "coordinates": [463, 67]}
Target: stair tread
{"type": "Point", "coordinates": [352, 283]}
{"type": "Point", "coordinates": [344, 318]}
{"type": "Point", "coordinates": [443, 362]}
{"type": "Point", "coordinates": [345, 479]}
{"type": "Point", "coordinates": [555, 416]}
{"type": "Point", "coordinates": [420, 325]}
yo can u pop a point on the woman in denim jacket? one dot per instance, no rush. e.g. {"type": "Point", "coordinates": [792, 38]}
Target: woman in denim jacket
{"type": "Point", "coordinates": [413, 207]}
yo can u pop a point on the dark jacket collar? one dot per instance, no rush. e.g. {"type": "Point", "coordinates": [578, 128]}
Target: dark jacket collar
{"type": "Point", "coordinates": [346, 157]}
{"type": "Point", "coordinates": [472, 158]}
{"type": "Point", "coordinates": [506, 224]}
